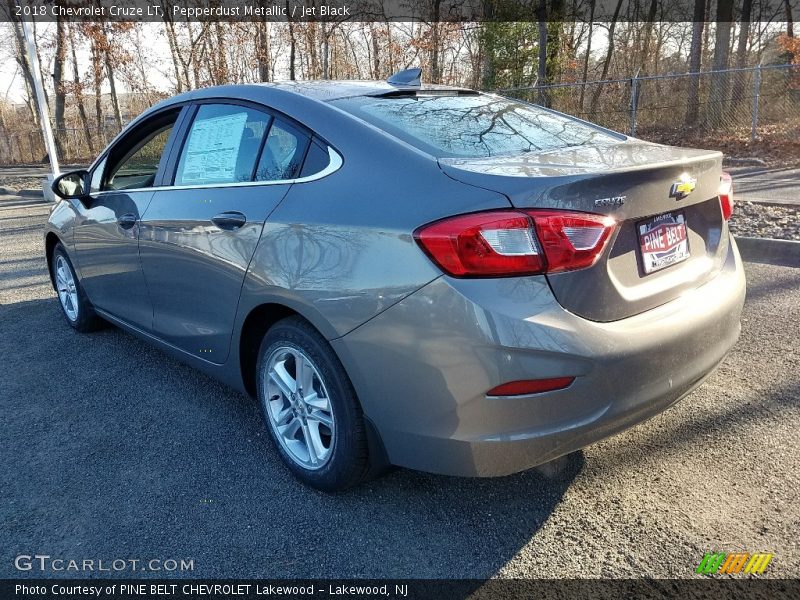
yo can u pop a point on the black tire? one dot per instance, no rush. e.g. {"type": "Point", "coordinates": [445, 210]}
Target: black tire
{"type": "Point", "coordinates": [348, 463]}
{"type": "Point", "coordinates": [86, 319]}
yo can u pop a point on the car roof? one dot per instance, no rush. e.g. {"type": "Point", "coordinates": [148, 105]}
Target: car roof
{"type": "Point", "coordinates": [320, 90]}
{"type": "Point", "coordinates": [327, 90]}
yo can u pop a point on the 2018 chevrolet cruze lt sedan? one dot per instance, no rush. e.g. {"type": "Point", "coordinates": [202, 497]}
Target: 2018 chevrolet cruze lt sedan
{"type": "Point", "coordinates": [404, 274]}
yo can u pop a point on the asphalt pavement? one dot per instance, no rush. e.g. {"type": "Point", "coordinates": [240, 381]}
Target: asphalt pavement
{"type": "Point", "coordinates": [112, 450]}
{"type": "Point", "coordinates": [776, 186]}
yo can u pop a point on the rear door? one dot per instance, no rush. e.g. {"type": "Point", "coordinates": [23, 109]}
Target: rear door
{"type": "Point", "coordinates": [198, 235]}
{"type": "Point", "coordinates": [106, 236]}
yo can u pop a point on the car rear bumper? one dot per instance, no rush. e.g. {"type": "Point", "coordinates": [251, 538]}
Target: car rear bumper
{"type": "Point", "coordinates": [422, 369]}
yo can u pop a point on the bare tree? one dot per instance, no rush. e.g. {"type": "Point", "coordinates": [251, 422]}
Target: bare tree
{"type": "Point", "coordinates": [609, 53]}
{"type": "Point", "coordinates": [58, 83]}
{"type": "Point", "coordinates": [588, 53]}
{"type": "Point", "coordinates": [719, 83]}
{"type": "Point", "coordinates": [695, 61]}
{"type": "Point", "coordinates": [77, 90]}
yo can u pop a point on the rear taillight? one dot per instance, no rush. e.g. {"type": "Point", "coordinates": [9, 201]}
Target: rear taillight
{"type": "Point", "coordinates": [726, 195]}
{"type": "Point", "coordinates": [506, 243]}
{"type": "Point", "coordinates": [572, 240]}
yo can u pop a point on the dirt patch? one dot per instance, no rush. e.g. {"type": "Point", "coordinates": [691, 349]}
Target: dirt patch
{"type": "Point", "coordinates": [777, 145]}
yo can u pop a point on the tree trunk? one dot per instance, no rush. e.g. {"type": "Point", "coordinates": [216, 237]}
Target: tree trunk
{"type": "Point", "coordinates": [23, 60]}
{"type": "Point", "coordinates": [648, 32]}
{"type": "Point", "coordinates": [552, 67]}
{"type": "Point", "coordinates": [541, 72]}
{"type": "Point", "coordinates": [78, 91]}
{"type": "Point", "coordinates": [39, 60]}
{"type": "Point", "coordinates": [326, 48]}
{"type": "Point", "coordinates": [222, 74]}
{"type": "Point", "coordinates": [113, 85]}
{"type": "Point", "coordinates": [588, 54]}
{"type": "Point", "coordinates": [719, 82]}
{"type": "Point", "coordinates": [789, 19]}
{"type": "Point", "coordinates": [609, 53]}
{"type": "Point", "coordinates": [741, 52]}
{"type": "Point", "coordinates": [435, 43]}
{"type": "Point", "coordinates": [97, 81]}
{"type": "Point", "coordinates": [376, 53]}
{"type": "Point", "coordinates": [292, 52]}
{"type": "Point", "coordinates": [173, 50]}
{"type": "Point", "coordinates": [695, 62]}
{"type": "Point", "coordinates": [264, 59]}
{"type": "Point", "coordinates": [58, 85]}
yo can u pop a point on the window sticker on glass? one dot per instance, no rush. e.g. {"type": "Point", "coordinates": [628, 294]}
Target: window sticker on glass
{"type": "Point", "coordinates": [212, 149]}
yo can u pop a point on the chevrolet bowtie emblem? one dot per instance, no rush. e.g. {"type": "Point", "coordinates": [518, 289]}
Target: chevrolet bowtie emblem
{"type": "Point", "coordinates": [684, 187]}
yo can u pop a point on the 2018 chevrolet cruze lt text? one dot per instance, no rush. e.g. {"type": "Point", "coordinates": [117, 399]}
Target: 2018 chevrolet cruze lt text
{"type": "Point", "coordinates": [422, 276]}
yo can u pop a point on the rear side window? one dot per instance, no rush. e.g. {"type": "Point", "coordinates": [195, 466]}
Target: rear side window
{"type": "Point", "coordinates": [317, 158]}
{"type": "Point", "coordinates": [473, 126]}
{"type": "Point", "coordinates": [283, 153]}
{"type": "Point", "coordinates": [222, 145]}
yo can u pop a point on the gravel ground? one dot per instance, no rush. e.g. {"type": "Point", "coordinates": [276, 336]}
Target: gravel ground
{"type": "Point", "coordinates": [14, 184]}
{"type": "Point", "coordinates": [757, 219]}
{"type": "Point", "coordinates": [110, 449]}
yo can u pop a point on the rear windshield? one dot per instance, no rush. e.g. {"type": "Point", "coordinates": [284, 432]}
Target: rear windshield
{"type": "Point", "coordinates": [473, 126]}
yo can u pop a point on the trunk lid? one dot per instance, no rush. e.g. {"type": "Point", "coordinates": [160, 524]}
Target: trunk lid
{"type": "Point", "coordinates": [631, 181]}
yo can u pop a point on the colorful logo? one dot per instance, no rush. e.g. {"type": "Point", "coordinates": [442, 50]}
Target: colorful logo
{"type": "Point", "coordinates": [741, 562]}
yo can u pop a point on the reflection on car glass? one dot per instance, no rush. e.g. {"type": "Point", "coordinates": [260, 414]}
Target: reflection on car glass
{"type": "Point", "coordinates": [280, 156]}
{"type": "Point", "coordinates": [478, 126]}
{"type": "Point", "coordinates": [139, 170]}
{"type": "Point", "coordinates": [213, 148]}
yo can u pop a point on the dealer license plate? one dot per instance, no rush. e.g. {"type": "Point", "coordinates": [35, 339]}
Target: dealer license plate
{"type": "Point", "coordinates": [662, 241]}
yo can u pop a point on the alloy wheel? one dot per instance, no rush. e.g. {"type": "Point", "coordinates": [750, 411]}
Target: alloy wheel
{"type": "Point", "coordinates": [67, 290]}
{"type": "Point", "coordinates": [298, 407]}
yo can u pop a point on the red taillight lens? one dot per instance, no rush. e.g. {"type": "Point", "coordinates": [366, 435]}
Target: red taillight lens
{"type": "Point", "coordinates": [506, 243]}
{"type": "Point", "coordinates": [488, 244]}
{"type": "Point", "coordinates": [726, 195]}
{"type": "Point", "coordinates": [531, 386]}
{"type": "Point", "coordinates": [572, 240]}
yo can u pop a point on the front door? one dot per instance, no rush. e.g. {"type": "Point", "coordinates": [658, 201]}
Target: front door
{"type": "Point", "coordinates": [198, 236]}
{"type": "Point", "coordinates": [106, 238]}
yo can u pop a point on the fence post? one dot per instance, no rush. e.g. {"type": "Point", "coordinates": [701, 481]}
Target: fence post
{"type": "Point", "coordinates": [634, 102]}
{"type": "Point", "coordinates": [756, 94]}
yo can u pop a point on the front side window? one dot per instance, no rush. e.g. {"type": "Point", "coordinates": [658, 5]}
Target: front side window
{"type": "Point", "coordinates": [473, 126]}
{"type": "Point", "coordinates": [97, 176]}
{"type": "Point", "coordinates": [222, 145]}
{"type": "Point", "coordinates": [133, 162]}
{"type": "Point", "coordinates": [283, 153]}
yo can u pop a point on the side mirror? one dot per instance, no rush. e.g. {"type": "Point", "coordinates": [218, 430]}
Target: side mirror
{"type": "Point", "coordinates": [72, 185]}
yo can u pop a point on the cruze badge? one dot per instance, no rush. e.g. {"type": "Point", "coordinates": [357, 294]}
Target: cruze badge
{"type": "Point", "coordinates": [683, 187]}
{"type": "Point", "coordinates": [613, 201]}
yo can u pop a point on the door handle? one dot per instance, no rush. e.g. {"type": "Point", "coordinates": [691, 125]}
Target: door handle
{"type": "Point", "coordinates": [229, 220]}
{"type": "Point", "coordinates": [127, 221]}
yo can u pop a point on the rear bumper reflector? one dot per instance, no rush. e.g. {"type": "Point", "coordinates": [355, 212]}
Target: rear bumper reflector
{"type": "Point", "coordinates": [530, 386]}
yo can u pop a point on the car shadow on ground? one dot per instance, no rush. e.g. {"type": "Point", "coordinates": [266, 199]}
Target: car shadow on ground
{"type": "Point", "coordinates": [115, 450]}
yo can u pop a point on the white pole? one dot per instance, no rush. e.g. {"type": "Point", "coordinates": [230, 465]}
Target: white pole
{"type": "Point", "coordinates": [44, 116]}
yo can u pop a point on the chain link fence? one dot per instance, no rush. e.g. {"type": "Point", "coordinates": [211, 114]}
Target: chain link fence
{"type": "Point", "coordinates": [21, 140]}
{"type": "Point", "coordinates": [28, 147]}
{"type": "Point", "coordinates": [665, 108]}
